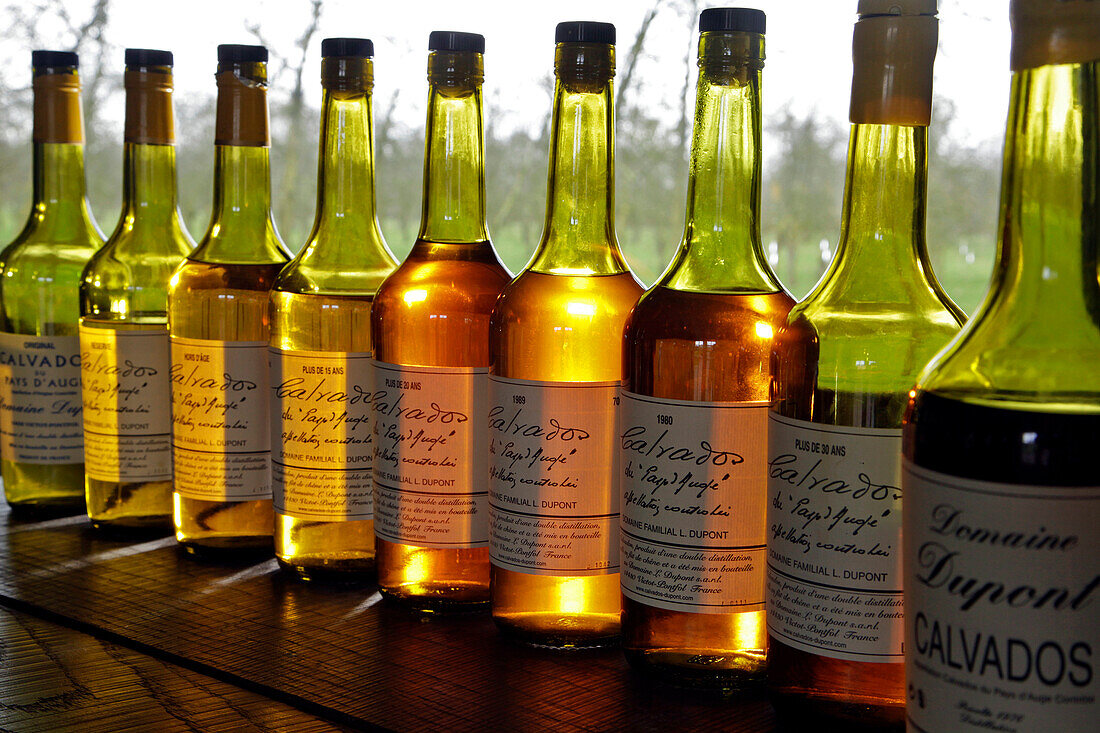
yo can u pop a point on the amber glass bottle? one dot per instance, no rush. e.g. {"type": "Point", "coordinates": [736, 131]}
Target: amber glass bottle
{"type": "Point", "coordinates": [1001, 494]}
{"type": "Point", "coordinates": [695, 396]}
{"type": "Point", "coordinates": [218, 321]}
{"type": "Point", "coordinates": [41, 443]}
{"type": "Point", "coordinates": [320, 341]}
{"type": "Point", "coordinates": [430, 329]}
{"type": "Point", "coordinates": [845, 362]}
{"type": "Point", "coordinates": [124, 316]}
{"type": "Point", "coordinates": [555, 377]}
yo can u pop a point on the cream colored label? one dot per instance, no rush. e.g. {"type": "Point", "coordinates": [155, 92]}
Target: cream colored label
{"type": "Point", "coordinates": [429, 460]}
{"type": "Point", "coordinates": [321, 435]}
{"type": "Point", "coordinates": [40, 407]}
{"type": "Point", "coordinates": [1002, 591]}
{"type": "Point", "coordinates": [693, 488]}
{"type": "Point", "coordinates": [834, 556]}
{"type": "Point", "coordinates": [127, 404]}
{"type": "Point", "coordinates": [221, 436]}
{"type": "Point", "coordinates": [553, 477]}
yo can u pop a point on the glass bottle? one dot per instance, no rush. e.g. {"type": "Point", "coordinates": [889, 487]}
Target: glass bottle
{"type": "Point", "coordinates": [41, 440]}
{"type": "Point", "coordinates": [430, 329]}
{"type": "Point", "coordinates": [555, 377]}
{"type": "Point", "coordinates": [218, 320]}
{"type": "Point", "coordinates": [845, 362]}
{"type": "Point", "coordinates": [695, 396]}
{"type": "Point", "coordinates": [320, 341]}
{"type": "Point", "coordinates": [1001, 496]}
{"type": "Point", "coordinates": [124, 316]}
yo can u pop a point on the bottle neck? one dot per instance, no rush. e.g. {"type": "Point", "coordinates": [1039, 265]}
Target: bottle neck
{"type": "Point", "coordinates": [149, 186]}
{"type": "Point", "coordinates": [721, 250]}
{"type": "Point", "coordinates": [59, 186]}
{"type": "Point", "coordinates": [453, 208]}
{"type": "Point", "coordinates": [578, 235]}
{"type": "Point", "coordinates": [1047, 260]}
{"type": "Point", "coordinates": [242, 190]}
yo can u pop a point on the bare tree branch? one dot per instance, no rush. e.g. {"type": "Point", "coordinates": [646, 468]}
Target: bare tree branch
{"type": "Point", "coordinates": [635, 53]}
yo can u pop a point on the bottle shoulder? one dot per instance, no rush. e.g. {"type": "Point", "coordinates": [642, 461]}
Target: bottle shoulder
{"type": "Point", "coordinates": [443, 272]}
{"type": "Point", "coordinates": [539, 295]}
{"type": "Point", "coordinates": [665, 313]}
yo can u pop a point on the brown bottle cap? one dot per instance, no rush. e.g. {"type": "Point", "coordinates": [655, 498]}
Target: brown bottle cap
{"type": "Point", "coordinates": [241, 117]}
{"type": "Point", "coordinates": [56, 102]}
{"type": "Point", "coordinates": [893, 48]}
{"type": "Point", "coordinates": [149, 107]}
{"type": "Point", "coordinates": [1046, 32]}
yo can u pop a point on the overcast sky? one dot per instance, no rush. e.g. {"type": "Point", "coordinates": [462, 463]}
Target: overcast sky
{"type": "Point", "coordinates": [808, 49]}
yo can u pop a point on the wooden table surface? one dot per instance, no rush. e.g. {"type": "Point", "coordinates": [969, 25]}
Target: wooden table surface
{"type": "Point", "coordinates": [97, 633]}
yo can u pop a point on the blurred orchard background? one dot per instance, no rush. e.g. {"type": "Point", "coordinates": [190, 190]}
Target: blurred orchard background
{"type": "Point", "coordinates": [806, 85]}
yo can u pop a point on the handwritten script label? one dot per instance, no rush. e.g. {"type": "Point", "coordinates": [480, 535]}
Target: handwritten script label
{"type": "Point", "coordinates": [221, 437]}
{"type": "Point", "coordinates": [429, 460]}
{"type": "Point", "coordinates": [127, 403]}
{"type": "Point", "coordinates": [1002, 589]}
{"type": "Point", "coordinates": [321, 438]}
{"type": "Point", "coordinates": [692, 491]}
{"type": "Point", "coordinates": [553, 477]}
{"type": "Point", "coordinates": [40, 407]}
{"type": "Point", "coordinates": [834, 539]}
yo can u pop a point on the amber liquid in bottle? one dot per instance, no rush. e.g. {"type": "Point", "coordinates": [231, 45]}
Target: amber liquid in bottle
{"type": "Point", "coordinates": [221, 292]}
{"type": "Point", "coordinates": [40, 272]}
{"type": "Point", "coordinates": [433, 312]}
{"type": "Point", "coordinates": [321, 318]}
{"type": "Point", "coordinates": [561, 322]}
{"type": "Point", "coordinates": [704, 333]}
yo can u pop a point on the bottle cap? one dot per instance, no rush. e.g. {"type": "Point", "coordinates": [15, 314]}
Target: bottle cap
{"type": "Point", "coordinates": [893, 48]}
{"type": "Point", "coordinates": [148, 57]}
{"type": "Point", "coordinates": [235, 53]}
{"type": "Point", "coordinates": [1046, 32]}
{"type": "Point", "coordinates": [54, 59]}
{"type": "Point", "coordinates": [747, 20]}
{"type": "Point", "coordinates": [585, 31]}
{"type": "Point", "coordinates": [456, 41]}
{"type": "Point", "coordinates": [355, 47]}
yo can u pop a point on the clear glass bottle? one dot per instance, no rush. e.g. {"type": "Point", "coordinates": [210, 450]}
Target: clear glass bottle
{"type": "Point", "coordinates": [320, 341]}
{"type": "Point", "coordinates": [844, 364]}
{"type": "Point", "coordinates": [124, 316]}
{"type": "Point", "coordinates": [218, 303]}
{"type": "Point", "coordinates": [556, 368]}
{"type": "Point", "coordinates": [695, 396]}
{"type": "Point", "coordinates": [41, 440]}
{"type": "Point", "coordinates": [430, 329]}
{"type": "Point", "coordinates": [1001, 496]}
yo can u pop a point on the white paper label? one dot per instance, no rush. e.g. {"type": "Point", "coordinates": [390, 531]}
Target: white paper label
{"type": "Point", "coordinates": [127, 404]}
{"type": "Point", "coordinates": [221, 437]}
{"type": "Point", "coordinates": [692, 491]}
{"type": "Point", "coordinates": [834, 553]}
{"type": "Point", "coordinates": [321, 438]}
{"type": "Point", "coordinates": [40, 406]}
{"type": "Point", "coordinates": [1002, 597]}
{"type": "Point", "coordinates": [429, 460]}
{"type": "Point", "coordinates": [553, 477]}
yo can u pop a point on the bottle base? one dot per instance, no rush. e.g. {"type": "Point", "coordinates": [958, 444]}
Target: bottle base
{"type": "Point", "coordinates": [133, 527]}
{"type": "Point", "coordinates": [47, 509]}
{"type": "Point", "coordinates": [443, 598]}
{"type": "Point", "coordinates": [561, 631]}
{"type": "Point", "coordinates": [331, 570]}
{"type": "Point", "coordinates": [701, 669]}
{"type": "Point", "coordinates": [230, 549]}
{"type": "Point", "coordinates": [796, 711]}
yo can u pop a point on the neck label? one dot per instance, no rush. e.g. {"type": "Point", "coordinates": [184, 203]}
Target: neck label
{"type": "Point", "coordinates": [834, 539]}
{"type": "Point", "coordinates": [321, 435]}
{"type": "Point", "coordinates": [40, 407]}
{"type": "Point", "coordinates": [553, 477]}
{"type": "Point", "coordinates": [692, 493]}
{"type": "Point", "coordinates": [221, 436]}
{"type": "Point", "coordinates": [127, 404]}
{"type": "Point", "coordinates": [429, 460]}
{"type": "Point", "coordinates": [1002, 587]}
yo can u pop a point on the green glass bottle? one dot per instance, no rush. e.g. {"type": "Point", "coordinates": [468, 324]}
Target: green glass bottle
{"type": "Point", "coordinates": [124, 316]}
{"type": "Point", "coordinates": [430, 329]}
{"type": "Point", "coordinates": [1001, 495]}
{"type": "Point", "coordinates": [844, 364]}
{"type": "Point", "coordinates": [218, 303]}
{"type": "Point", "coordinates": [695, 396]}
{"type": "Point", "coordinates": [320, 341]}
{"type": "Point", "coordinates": [41, 439]}
{"type": "Point", "coordinates": [553, 385]}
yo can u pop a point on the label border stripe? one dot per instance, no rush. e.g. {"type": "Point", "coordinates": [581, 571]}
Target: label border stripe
{"type": "Point", "coordinates": [795, 578]}
{"type": "Point", "coordinates": [553, 516]}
